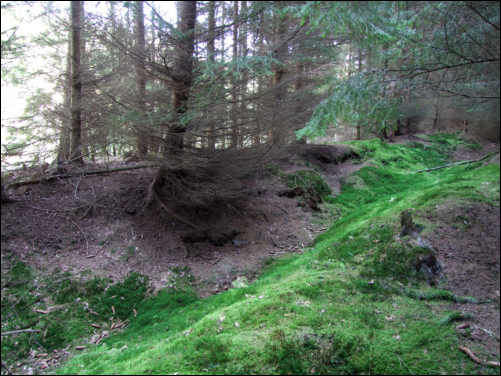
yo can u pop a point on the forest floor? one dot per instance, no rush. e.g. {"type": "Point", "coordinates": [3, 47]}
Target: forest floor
{"type": "Point", "coordinates": [98, 226]}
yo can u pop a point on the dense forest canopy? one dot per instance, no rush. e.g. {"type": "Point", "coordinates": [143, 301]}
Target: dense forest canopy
{"type": "Point", "coordinates": [228, 85]}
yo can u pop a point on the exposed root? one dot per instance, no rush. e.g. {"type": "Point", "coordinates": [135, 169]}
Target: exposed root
{"type": "Point", "coordinates": [174, 215]}
{"type": "Point", "coordinates": [154, 195]}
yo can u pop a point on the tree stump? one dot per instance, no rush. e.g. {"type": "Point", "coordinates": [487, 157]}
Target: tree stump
{"type": "Point", "coordinates": [408, 226]}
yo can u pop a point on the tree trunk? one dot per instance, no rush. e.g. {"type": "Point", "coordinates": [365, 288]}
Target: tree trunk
{"type": "Point", "coordinates": [85, 126]}
{"type": "Point", "coordinates": [360, 70]}
{"type": "Point", "coordinates": [298, 86]}
{"type": "Point", "coordinates": [434, 127]}
{"type": "Point", "coordinates": [234, 92]}
{"type": "Point", "coordinates": [349, 60]}
{"type": "Point", "coordinates": [140, 71]}
{"type": "Point", "coordinates": [64, 136]}
{"type": "Point", "coordinates": [257, 131]}
{"type": "Point", "coordinates": [277, 73]}
{"type": "Point", "coordinates": [211, 52]}
{"type": "Point", "coordinates": [76, 85]}
{"type": "Point", "coordinates": [384, 132]}
{"type": "Point", "coordinates": [183, 76]}
{"type": "Point", "coordinates": [243, 88]}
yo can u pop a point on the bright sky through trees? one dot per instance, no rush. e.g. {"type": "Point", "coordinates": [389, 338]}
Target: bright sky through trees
{"type": "Point", "coordinates": [31, 21]}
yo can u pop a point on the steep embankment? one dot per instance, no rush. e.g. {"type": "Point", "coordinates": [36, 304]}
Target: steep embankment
{"type": "Point", "coordinates": [375, 294]}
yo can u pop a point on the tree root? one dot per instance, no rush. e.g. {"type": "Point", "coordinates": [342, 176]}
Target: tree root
{"type": "Point", "coordinates": [174, 215]}
{"type": "Point", "coordinates": [155, 186]}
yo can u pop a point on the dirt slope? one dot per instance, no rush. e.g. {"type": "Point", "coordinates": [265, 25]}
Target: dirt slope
{"type": "Point", "coordinates": [99, 223]}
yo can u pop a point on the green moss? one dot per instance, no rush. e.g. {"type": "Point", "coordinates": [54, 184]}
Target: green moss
{"type": "Point", "coordinates": [273, 169]}
{"type": "Point", "coordinates": [356, 303]}
{"type": "Point", "coordinates": [308, 179]}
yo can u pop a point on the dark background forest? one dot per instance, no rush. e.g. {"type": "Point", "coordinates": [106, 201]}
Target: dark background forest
{"type": "Point", "coordinates": [238, 81]}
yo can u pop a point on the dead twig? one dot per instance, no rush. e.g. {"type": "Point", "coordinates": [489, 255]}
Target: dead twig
{"type": "Point", "coordinates": [20, 331]}
{"type": "Point", "coordinates": [402, 362]}
{"type": "Point", "coordinates": [235, 209]}
{"type": "Point", "coordinates": [88, 209]}
{"type": "Point", "coordinates": [215, 262]}
{"type": "Point", "coordinates": [299, 177]}
{"type": "Point", "coordinates": [85, 237]}
{"type": "Point", "coordinates": [280, 208]}
{"type": "Point", "coordinates": [8, 370]}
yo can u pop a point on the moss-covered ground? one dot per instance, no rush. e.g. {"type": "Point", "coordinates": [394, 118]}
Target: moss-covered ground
{"type": "Point", "coordinates": [352, 304]}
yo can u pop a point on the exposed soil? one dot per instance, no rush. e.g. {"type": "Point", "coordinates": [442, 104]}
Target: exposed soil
{"type": "Point", "coordinates": [466, 239]}
{"type": "Point", "coordinates": [100, 223]}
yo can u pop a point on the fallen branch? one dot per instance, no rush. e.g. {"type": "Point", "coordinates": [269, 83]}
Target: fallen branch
{"type": "Point", "coordinates": [280, 208]}
{"type": "Point", "coordinates": [20, 331]}
{"type": "Point", "coordinates": [460, 163]}
{"type": "Point", "coordinates": [84, 173]}
{"type": "Point", "coordinates": [8, 370]}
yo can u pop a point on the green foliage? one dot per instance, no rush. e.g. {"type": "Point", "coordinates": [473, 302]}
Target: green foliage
{"type": "Point", "coordinates": [258, 65]}
{"type": "Point", "coordinates": [406, 50]}
{"type": "Point", "coordinates": [363, 99]}
{"type": "Point", "coordinates": [307, 179]}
